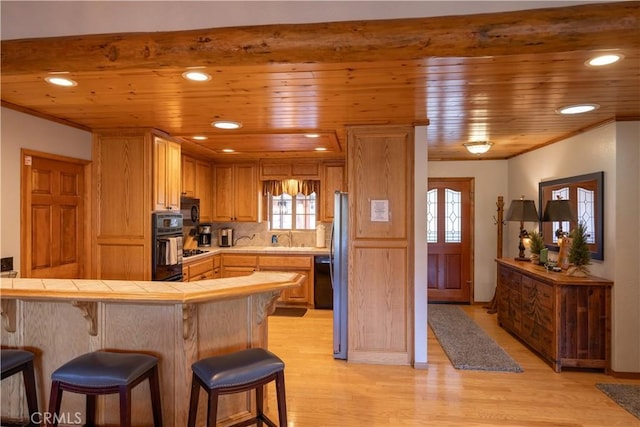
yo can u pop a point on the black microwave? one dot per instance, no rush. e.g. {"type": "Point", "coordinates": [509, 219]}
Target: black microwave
{"type": "Point", "coordinates": [190, 209]}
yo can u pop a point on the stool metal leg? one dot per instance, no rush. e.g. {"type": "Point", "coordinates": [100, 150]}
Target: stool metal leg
{"type": "Point", "coordinates": [54, 404]}
{"type": "Point", "coordinates": [29, 379]}
{"type": "Point", "coordinates": [193, 401]}
{"type": "Point", "coordinates": [282, 399]}
{"type": "Point", "coordinates": [154, 387]}
{"type": "Point", "coordinates": [212, 410]}
{"type": "Point", "coordinates": [90, 411]}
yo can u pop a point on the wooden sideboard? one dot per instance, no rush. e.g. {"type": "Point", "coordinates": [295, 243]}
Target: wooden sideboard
{"type": "Point", "coordinates": [566, 320]}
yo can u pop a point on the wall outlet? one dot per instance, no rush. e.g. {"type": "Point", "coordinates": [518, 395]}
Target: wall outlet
{"type": "Point", "coordinates": [6, 264]}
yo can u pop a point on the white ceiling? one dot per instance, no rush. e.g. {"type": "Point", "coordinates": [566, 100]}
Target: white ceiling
{"type": "Point", "coordinates": [34, 19]}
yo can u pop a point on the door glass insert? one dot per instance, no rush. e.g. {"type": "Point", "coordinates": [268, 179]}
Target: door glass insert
{"type": "Point", "coordinates": [586, 212]}
{"type": "Point", "coordinates": [453, 226]}
{"type": "Point", "coordinates": [432, 216]}
{"type": "Point", "coordinates": [562, 193]}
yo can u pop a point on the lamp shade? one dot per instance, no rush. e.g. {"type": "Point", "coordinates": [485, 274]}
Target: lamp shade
{"type": "Point", "coordinates": [522, 210]}
{"type": "Point", "coordinates": [559, 210]}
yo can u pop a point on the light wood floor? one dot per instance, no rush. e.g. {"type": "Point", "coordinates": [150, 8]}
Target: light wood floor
{"type": "Point", "coordinates": [323, 392]}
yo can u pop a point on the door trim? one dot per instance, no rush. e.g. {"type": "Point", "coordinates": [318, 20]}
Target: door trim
{"type": "Point", "coordinates": [25, 208]}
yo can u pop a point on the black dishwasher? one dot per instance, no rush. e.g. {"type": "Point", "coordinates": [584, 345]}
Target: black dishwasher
{"type": "Point", "coordinates": [323, 290]}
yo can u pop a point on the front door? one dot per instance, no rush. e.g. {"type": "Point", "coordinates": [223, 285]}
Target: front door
{"type": "Point", "coordinates": [53, 192]}
{"type": "Point", "coordinates": [449, 239]}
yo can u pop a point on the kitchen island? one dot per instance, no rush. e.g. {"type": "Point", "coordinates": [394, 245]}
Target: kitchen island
{"type": "Point", "coordinates": [179, 322]}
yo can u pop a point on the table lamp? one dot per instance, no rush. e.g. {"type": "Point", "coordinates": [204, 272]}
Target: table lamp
{"type": "Point", "coordinates": [559, 210]}
{"type": "Point", "coordinates": [522, 210]}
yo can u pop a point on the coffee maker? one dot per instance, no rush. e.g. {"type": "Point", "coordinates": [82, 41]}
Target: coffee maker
{"type": "Point", "coordinates": [204, 235]}
{"type": "Point", "coordinates": [225, 237]}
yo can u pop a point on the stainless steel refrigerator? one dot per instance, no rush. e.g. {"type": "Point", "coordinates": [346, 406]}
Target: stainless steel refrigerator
{"type": "Point", "coordinates": [339, 274]}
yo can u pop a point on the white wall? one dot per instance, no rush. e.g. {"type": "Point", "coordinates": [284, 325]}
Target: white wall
{"type": "Point", "coordinates": [17, 131]}
{"type": "Point", "coordinates": [612, 148]}
{"type": "Point", "coordinates": [421, 167]}
{"type": "Point", "coordinates": [490, 182]}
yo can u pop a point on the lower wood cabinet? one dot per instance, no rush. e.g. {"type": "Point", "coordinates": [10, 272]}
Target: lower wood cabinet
{"type": "Point", "coordinates": [201, 269]}
{"type": "Point", "coordinates": [566, 320]}
{"type": "Point", "coordinates": [235, 265]}
{"type": "Point", "coordinates": [303, 264]}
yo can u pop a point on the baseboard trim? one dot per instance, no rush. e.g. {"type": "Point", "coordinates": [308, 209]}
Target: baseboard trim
{"type": "Point", "coordinates": [625, 375]}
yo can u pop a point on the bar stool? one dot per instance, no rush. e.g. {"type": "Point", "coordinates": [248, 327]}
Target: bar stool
{"type": "Point", "coordinates": [104, 372]}
{"type": "Point", "coordinates": [14, 361]}
{"type": "Point", "coordinates": [237, 372]}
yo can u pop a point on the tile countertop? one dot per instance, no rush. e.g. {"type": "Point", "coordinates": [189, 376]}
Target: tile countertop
{"type": "Point", "coordinates": [147, 292]}
{"type": "Point", "coordinates": [287, 250]}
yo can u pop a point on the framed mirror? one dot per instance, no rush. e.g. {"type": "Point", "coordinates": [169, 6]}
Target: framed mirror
{"type": "Point", "coordinates": [586, 196]}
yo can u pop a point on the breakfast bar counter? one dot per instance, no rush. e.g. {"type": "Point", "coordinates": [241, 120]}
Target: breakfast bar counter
{"type": "Point", "coordinates": [179, 322]}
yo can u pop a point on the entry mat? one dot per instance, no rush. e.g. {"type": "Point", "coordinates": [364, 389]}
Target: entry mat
{"type": "Point", "coordinates": [465, 343]}
{"type": "Point", "coordinates": [625, 395]}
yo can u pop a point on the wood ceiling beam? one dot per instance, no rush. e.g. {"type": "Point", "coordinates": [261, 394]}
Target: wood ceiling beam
{"type": "Point", "coordinates": [583, 27]}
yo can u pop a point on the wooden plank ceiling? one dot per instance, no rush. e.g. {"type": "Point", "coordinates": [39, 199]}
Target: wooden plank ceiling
{"type": "Point", "coordinates": [497, 76]}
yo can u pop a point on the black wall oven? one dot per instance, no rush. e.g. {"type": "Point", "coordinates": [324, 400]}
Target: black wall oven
{"type": "Point", "coordinates": [166, 246]}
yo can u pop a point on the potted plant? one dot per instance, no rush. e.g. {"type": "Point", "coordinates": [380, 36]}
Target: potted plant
{"type": "Point", "coordinates": [535, 246]}
{"type": "Point", "coordinates": [579, 254]}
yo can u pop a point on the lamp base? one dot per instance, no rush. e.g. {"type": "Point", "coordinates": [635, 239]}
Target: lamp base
{"type": "Point", "coordinates": [522, 259]}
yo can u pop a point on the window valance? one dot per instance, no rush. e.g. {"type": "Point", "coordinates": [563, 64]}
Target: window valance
{"type": "Point", "coordinates": [291, 187]}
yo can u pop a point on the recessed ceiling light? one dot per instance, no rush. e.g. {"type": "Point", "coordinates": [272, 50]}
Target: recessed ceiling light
{"type": "Point", "coordinates": [601, 60]}
{"type": "Point", "coordinates": [478, 147]}
{"type": "Point", "coordinates": [226, 124]}
{"type": "Point", "coordinates": [199, 137]}
{"type": "Point", "coordinates": [577, 109]}
{"type": "Point", "coordinates": [228, 150]}
{"type": "Point", "coordinates": [312, 135]}
{"type": "Point", "coordinates": [60, 81]}
{"type": "Point", "coordinates": [320, 149]}
{"type": "Point", "coordinates": [196, 76]}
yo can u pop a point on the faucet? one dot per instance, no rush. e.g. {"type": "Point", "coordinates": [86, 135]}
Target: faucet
{"type": "Point", "coordinates": [288, 235]}
{"type": "Point", "coordinates": [244, 237]}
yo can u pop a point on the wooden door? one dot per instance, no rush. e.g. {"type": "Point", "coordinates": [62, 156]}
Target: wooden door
{"type": "Point", "coordinates": [450, 239]}
{"type": "Point", "coordinates": [54, 217]}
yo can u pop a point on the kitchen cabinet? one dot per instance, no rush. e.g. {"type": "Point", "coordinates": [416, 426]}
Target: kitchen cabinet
{"type": "Point", "coordinates": [197, 181]}
{"type": "Point", "coordinates": [333, 179]}
{"type": "Point", "coordinates": [235, 265]}
{"type": "Point", "coordinates": [301, 295]}
{"type": "Point", "coordinates": [566, 320]}
{"type": "Point", "coordinates": [289, 169]}
{"type": "Point", "coordinates": [235, 192]}
{"type": "Point", "coordinates": [166, 173]}
{"type": "Point", "coordinates": [199, 269]}
{"type": "Point", "coordinates": [188, 176]}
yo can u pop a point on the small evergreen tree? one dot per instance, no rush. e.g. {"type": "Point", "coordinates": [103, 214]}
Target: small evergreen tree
{"type": "Point", "coordinates": [579, 255]}
{"type": "Point", "coordinates": [537, 242]}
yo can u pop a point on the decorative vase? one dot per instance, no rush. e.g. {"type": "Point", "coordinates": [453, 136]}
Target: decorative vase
{"type": "Point", "coordinates": [534, 258]}
{"type": "Point", "coordinates": [578, 271]}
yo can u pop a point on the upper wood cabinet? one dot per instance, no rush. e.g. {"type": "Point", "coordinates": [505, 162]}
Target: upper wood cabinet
{"type": "Point", "coordinates": [188, 176]}
{"type": "Point", "coordinates": [166, 174]}
{"type": "Point", "coordinates": [333, 179]}
{"type": "Point", "coordinates": [197, 181]}
{"type": "Point", "coordinates": [235, 192]}
{"type": "Point", "coordinates": [289, 169]}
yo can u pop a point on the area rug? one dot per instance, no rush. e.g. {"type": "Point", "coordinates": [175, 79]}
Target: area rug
{"type": "Point", "coordinates": [625, 395]}
{"type": "Point", "coordinates": [290, 311]}
{"type": "Point", "coordinates": [465, 343]}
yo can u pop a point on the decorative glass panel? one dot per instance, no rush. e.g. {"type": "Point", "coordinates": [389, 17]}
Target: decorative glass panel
{"type": "Point", "coordinates": [432, 216]}
{"type": "Point", "coordinates": [453, 224]}
{"type": "Point", "coordinates": [562, 193]}
{"type": "Point", "coordinates": [586, 212]}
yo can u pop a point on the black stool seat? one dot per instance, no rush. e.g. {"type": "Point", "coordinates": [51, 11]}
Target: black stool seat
{"type": "Point", "coordinates": [104, 369]}
{"type": "Point", "coordinates": [104, 372]}
{"type": "Point", "coordinates": [237, 372]}
{"type": "Point", "coordinates": [13, 361]}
